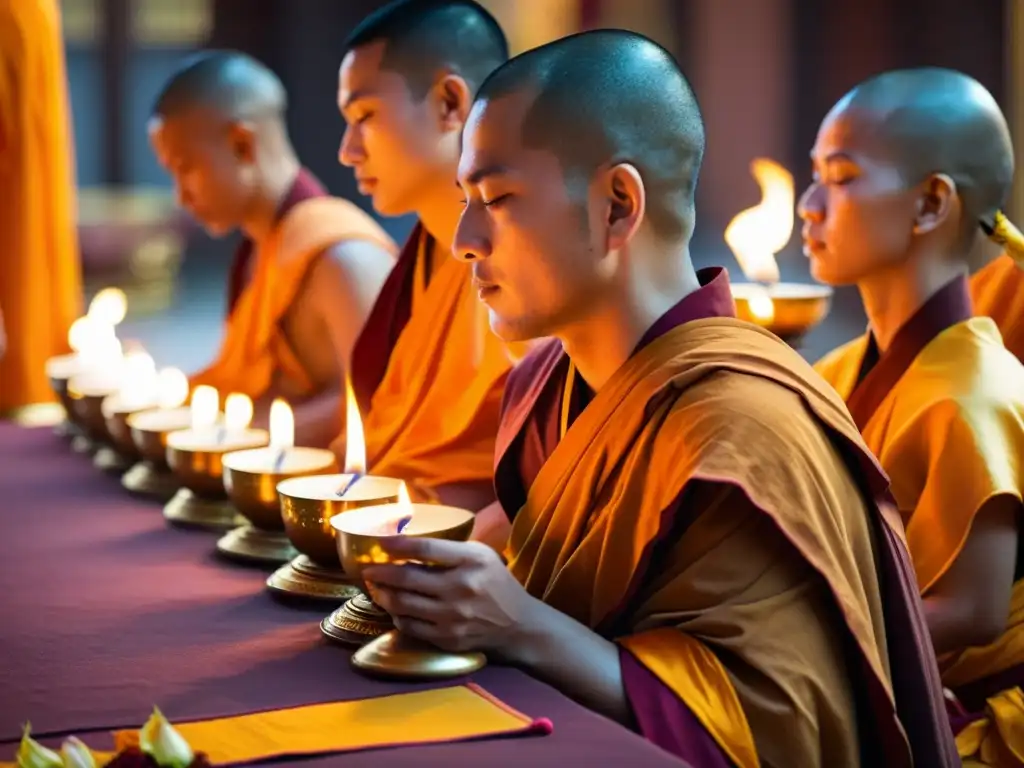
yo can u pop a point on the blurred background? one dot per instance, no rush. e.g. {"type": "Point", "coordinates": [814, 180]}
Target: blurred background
{"type": "Point", "coordinates": [765, 71]}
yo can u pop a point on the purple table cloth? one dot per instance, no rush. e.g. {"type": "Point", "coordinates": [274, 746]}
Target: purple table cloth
{"type": "Point", "coordinates": [105, 611]}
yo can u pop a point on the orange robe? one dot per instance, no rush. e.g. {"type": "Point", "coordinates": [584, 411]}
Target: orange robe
{"type": "Point", "coordinates": [714, 510]}
{"type": "Point", "coordinates": [428, 376]}
{"type": "Point", "coordinates": [943, 409]}
{"type": "Point", "coordinates": [40, 277]}
{"type": "Point", "coordinates": [997, 291]}
{"type": "Point", "coordinates": [255, 352]}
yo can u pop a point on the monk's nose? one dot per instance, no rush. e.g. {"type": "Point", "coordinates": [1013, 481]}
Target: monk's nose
{"type": "Point", "coordinates": [350, 152]}
{"type": "Point", "coordinates": [810, 207]}
{"type": "Point", "coordinates": [472, 242]}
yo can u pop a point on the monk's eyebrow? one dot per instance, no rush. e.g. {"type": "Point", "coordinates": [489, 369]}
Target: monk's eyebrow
{"type": "Point", "coordinates": [480, 174]}
{"type": "Point", "coordinates": [354, 97]}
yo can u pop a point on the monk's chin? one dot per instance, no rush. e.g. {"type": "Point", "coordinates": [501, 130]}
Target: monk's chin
{"type": "Point", "coordinates": [513, 331]}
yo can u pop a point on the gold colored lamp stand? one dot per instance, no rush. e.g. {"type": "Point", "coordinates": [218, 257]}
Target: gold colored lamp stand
{"type": "Point", "coordinates": [306, 579]}
{"type": "Point", "coordinates": [152, 481]}
{"type": "Point", "coordinates": [186, 509]}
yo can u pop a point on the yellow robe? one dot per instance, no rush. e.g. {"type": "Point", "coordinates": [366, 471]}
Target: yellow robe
{"type": "Point", "coordinates": [769, 639]}
{"type": "Point", "coordinates": [255, 351]}
{"type": "Point", "coordinates": [433, 417]}
{"type": "Point", "coordinates": [997, 291]}
{"type": "Point", "coordinates": [951, 436]}
{"type": "Point", "coordinates": [40, 278]}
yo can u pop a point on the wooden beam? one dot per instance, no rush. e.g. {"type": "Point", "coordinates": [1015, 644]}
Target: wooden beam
{"type": "Point", "coordinates": [115, 53]}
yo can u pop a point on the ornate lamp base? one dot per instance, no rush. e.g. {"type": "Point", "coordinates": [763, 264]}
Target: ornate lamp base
{"type": "Point", "coordinates": [250, 544]}
{"type": "Point", "coordinates": [357, 622]}
{"type": "Point", "coordinates": [190, 511]}
{"type": "Point", "coordinates": [396, 656]}
{"type": "Point", "coordinates": [149, 481]}
{"type": "Point", "coordinates": [80, 443]}
{"type": "Point", "coordinates": [302, 578]}
{"type": "Point", "coordinates": [111, 461]}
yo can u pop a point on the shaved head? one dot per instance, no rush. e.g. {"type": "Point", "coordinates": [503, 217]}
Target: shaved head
{"type": "Point", "coordinates": [424, 37]}
{"type": "Point", "coordinates": [607, 97]}
{"type": "Point", "coordinates": [934, 120]}
{"type": "Point", "coordinates": [232, 84]}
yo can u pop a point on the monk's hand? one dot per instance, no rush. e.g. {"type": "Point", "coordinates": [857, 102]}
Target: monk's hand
{"type": "Point", "coordinates": [465, 600]}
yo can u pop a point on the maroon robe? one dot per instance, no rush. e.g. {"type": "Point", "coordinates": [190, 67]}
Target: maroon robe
{"type": "Point", "coordinates": [530, 429]}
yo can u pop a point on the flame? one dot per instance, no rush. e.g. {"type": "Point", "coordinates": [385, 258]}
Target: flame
{"type": "Point", "coordinates": [172, 388]}
{"type": "Point", "coordinates": [138, 379]}
{"type": "Point", "coordinates": [87, 333]}
{"type": "Point", "coordinates": [102, 351]}
{"type": "Point", "coordinates": [757, 234]}
{"type": "Point", "coordinates": [237, 412]}
{"type": "Point", "coordinates": [355, 440]}
{"type": "Point", "coordinates": [761, 305]}
{"type": "Point", "coordinates": [205, 405]}
{"type": "Point", "coordinates": [282, 425]}
{"type": "Point", "coordinates": [404, 501]}
{"type": "Point", "coordinates": [109, 306]}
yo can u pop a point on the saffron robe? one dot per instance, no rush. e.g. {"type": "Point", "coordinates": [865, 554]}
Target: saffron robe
{"type": "Point", "coordinates": [428, 376]}
{"type": "Point", "coordinates": [40, 276]}
{"type": "Point", "coordinates": [266, 279]}
{"type": "Point", "coordinates": [714, 510]}
{"type": "Point", "coordinates": [997, 291]}
{"type": "Point", "coordinates": [943, 409]}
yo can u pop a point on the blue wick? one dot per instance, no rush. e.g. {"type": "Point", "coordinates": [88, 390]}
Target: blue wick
{"type": "Point", "coordinates": [403, 522]}
{"type": "Point", "coordinates": [351, 481]}
{"type": "Point", "coordinates": [279, 461]}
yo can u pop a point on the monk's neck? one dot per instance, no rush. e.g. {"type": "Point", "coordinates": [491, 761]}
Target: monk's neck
{"type": "Point", "coordinates": [440, 211]}
{"type": "Point", "coordinates": [893, 297]}
{"type": "Point", "coordinates": [600, 344]}
{"type": "Point", "coordinates": [277, 182]}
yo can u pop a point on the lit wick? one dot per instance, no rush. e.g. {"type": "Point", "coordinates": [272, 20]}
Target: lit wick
{"type": "Point", "coordinates": [403, 522]}
{"type": "Point", "coordinates": [348, 486]}
{"type": "Point", "coordinates": [279, 459]}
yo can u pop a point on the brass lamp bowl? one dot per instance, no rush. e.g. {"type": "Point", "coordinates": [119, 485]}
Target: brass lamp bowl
{"type": "Point", "coordinates": [115, 417]}
{"type": "Point", "coordinates": [795, 308]}
{"type": "Point", "coordinates": [200, 469]}
{"type": "Point", "coordinates": [59, 371]}
{"type": "Point", "coordinates": [359, 533]}
{"type": "Point", "coordinates": [149, 430]}
{"type": "Point", "coordinates": [253, 490]}
{"type": "Point", "coordinates": [390, 653]}
{"type": "Point", "coordinates": [86, 393]}
{"type": "Point", "coordinates": [308, 505]}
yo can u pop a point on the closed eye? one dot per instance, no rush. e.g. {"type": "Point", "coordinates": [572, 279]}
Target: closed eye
{"type": "Point", "coordinates": [496, 201]}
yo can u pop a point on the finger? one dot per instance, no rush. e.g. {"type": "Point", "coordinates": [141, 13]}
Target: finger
{"type": "Point", "coordinates": [432, 551]}
{"type": "Point", "coordinates": [410, 578]}
{"type": "Point", "coordinates": [439, 635]}
{"type": "Point", "coordinates": [411, 605]}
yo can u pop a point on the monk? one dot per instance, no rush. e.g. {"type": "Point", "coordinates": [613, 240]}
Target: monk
{"type": "Point", "coordinates": [698, 541]}
{"type": "Point", "coordinates": [908, 168]}
{"type": "Point", "coordinates": [40, 276]}
{"type": "Point", "coordinates": [427, 373]}
{"type": "Point", "coordinates": [309, 267]}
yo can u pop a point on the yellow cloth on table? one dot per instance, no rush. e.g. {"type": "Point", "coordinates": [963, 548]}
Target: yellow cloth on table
{"type": "Point", "coordinates": [424, 717]}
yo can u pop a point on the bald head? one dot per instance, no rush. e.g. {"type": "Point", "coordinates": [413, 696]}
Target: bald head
{"type": "Point", "coordinates": [931, 120]}
{"type": "Point", "coordinates": [611, 96]}
{"type": "Point", "coordinates": [424, 37]}
{"type": "Point", "coordinates": [232, 84]}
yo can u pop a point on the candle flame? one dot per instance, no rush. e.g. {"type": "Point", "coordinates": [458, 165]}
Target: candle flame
{"type": "Point", "coordinates": [757, 234]}
{"type": "Point", "coordinates": [138, 379]}
{"type": "Point", "coordinates": [282, 425]}
{"type": "Point", "coordinates": [761, 305]}
{"type": "Point", "coordinates": [404, 501]}
{"type": "Point", "coordinates": [355, 440]}
{"type": "Point", "coordinates": [172, 388]}
{"type": "Point", "coordinates": [237, 412]}
{"type": "Point", "coordinates": [109, 306]}
{"type": "Point", "coordinates": [205, 406]}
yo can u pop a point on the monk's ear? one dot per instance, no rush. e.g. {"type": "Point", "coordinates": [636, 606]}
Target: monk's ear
{"type": "Point", "coordinates": [626, 203]}
{"type": "Point", "coordinates": [242, 142]}
{"type": "Point", "coordinates": [936, 203]}
{"type": "Point", "coordinates": [453, 99]}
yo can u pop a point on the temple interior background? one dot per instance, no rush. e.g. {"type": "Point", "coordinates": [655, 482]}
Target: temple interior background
{"type": "Point", "coordinates": [765, 71]}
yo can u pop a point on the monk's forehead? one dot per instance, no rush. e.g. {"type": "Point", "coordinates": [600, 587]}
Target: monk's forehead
{"type": "Point", "coordinates": [494, 130]}
{"type": "Point", "coordinates": [860, 130]}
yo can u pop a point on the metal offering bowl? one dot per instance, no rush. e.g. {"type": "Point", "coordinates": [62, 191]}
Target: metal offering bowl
{"type": "Point", "coordinates": [798, 307]}
{"type": "Point", "coordinates": [308, 504]}
{"type": "Point", "coordinates": [359, 534]}
{"type": "Point", "coordinates": [149, 430]}
{"type": "Point", "coordinates": [200, 468]}
{"type": "Point", "coordinates": [253, 489]}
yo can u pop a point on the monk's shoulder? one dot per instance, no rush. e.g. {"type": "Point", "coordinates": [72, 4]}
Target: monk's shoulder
{"type": "Point", "coordinates": [740, 419]}
{"type": "Point", "coordinates": [317, 224]}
